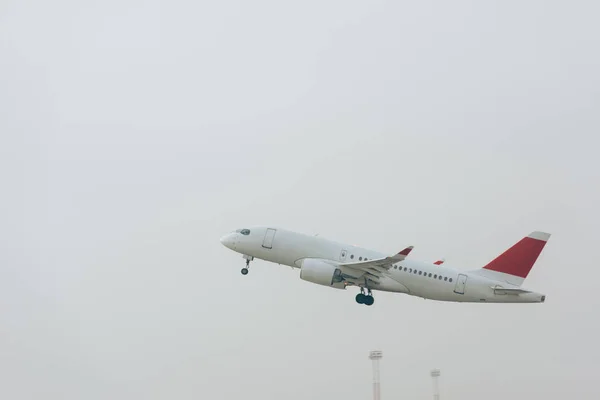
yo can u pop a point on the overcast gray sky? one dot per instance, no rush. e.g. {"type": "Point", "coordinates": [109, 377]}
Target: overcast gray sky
{"type": "Point", "coordinates": [135, 133]}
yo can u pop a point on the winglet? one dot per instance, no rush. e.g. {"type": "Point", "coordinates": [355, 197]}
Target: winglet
{"type": "Point", "coordinates": [406, 251]}
{"type": "Point", "coordinates": [401, 255]}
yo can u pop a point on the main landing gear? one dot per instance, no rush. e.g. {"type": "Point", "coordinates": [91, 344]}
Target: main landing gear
{"type": "Point", "coordinates": [366, 299]}
{"type": "Point", "coordinates": [245, 269]}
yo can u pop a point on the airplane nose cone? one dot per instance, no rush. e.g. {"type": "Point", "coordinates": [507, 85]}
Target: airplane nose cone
{"type": "Point", "coordinates": [228, 241]}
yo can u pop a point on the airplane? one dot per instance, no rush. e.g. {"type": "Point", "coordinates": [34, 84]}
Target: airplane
{"type": "Point", "coordinates": [336, 265]}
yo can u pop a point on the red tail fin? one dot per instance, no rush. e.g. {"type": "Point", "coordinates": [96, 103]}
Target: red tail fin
{"type": "Point", "coordinates": [519, 259]}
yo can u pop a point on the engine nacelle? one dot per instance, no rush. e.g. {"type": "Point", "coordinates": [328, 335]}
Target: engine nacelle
{"type": "Point", "coordinates": [321, 273]}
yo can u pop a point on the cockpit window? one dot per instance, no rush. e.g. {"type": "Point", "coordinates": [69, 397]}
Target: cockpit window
{"type": "Point", "coordinates": [243, 231]}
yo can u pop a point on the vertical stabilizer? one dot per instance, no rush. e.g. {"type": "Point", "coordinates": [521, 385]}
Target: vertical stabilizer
{"type": "Point", "coordinates": [514, 264]}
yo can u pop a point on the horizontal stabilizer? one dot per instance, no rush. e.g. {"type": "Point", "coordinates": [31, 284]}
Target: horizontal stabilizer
{"type": "Point", "coordinates": [501, 290]}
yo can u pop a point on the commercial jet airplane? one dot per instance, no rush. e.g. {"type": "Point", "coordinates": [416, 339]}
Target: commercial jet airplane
{"type": "Point", "coordinates": [337, 265]}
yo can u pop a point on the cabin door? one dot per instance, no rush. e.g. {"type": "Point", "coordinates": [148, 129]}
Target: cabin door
{"type": "Point", "coordinates": [460, 284]}
{"type": "Point", "coordinates": [268, 240]}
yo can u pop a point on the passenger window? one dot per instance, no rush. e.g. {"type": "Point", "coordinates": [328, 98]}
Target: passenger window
{"type": "Point", "coordinates": [359, 258]}
{"type": "Point", "coordinates": [450, 279]}
{"type": "Point", "coordinates": [435, 276]}
{"type": "Point", "coordinates": [430, 274]}
{"type": "Point", "coordinates": [404, 269]}
{"type": "Point", "coordinates": [410, 270]}
{"type": "Point", "coordinates": [445, 278]}
{"type": "Point", "coordinates": [420, 272]}
{"type": "Point", "coordinates": [440, 278]}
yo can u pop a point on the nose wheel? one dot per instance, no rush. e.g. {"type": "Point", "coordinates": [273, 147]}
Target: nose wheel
{"type": "Point", "coordinates": [366, 299]}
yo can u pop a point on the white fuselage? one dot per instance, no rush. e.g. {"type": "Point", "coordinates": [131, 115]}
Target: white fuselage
{"type": "Point", "coordinates": [416, 278]}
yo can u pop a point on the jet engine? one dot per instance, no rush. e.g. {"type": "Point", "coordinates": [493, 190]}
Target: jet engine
{"type": "Point", "coordinates": [321, 273]}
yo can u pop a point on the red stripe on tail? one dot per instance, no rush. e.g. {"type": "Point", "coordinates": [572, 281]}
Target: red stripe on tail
{"type": "Point", "coordinates": [519, 259]}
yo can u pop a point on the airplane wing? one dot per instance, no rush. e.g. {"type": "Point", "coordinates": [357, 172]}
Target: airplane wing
{"type": "Point", "coordinates": [375, 268]}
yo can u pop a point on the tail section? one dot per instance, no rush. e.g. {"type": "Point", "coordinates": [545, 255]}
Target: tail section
{"type": "Point", "coordinates": [514, 264]}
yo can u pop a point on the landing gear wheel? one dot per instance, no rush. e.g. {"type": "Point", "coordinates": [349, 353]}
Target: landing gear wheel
{"type": "Point", "coordinates": [245, 270]}
{"type": "Point", "coordinates": [366, 299]}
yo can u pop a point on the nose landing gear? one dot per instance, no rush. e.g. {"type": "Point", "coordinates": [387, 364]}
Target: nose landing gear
{"type": "Point", "coordinates": [366, 299]}
{"type": "Point", "coordinates": [245, 269]}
